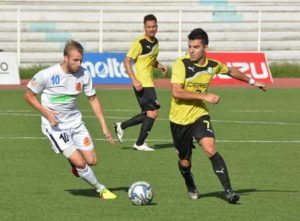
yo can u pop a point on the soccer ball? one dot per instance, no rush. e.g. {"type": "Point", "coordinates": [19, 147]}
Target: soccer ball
{"type": "Point", "coordinates": [140, 193]}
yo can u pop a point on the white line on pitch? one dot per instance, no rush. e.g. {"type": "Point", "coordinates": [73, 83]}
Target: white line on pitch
{"type": "Point", "coordinates": [135, 110]}
{"type": "Point", "coordinates": [82, 110]}
{"type": "Point", "coordinates": [264, 111]}
{"type": "Point", "coordinates": [166, 119]}
{"type": "Point", "coordinates": [167, 140]}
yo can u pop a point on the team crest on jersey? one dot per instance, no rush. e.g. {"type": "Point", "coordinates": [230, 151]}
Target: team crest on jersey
{"type": "Point", "coordinates": [86, 142]}
{"type": "Point", "coordinates": [33, 81]}
{"type": "Point", "coordinates": [78, 86]}
{"type": "Point", "coordinates": [209, 70]}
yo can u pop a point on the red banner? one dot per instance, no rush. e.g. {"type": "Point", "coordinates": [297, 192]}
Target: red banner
{"type": "Point", "coordinates": [253, 64]}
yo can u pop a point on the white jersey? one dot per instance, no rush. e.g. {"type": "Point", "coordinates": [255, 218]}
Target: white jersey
{"type": "Point", "coordinates": [59, 91]}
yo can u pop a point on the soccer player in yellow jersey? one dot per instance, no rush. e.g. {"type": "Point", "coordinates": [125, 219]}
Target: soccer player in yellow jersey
{"type": "Point", "coordinates": [189, 116]}
{"type": "Point", "coordinates": [143, 53]}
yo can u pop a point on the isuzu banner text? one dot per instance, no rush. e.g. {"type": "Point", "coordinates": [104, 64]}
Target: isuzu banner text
{"type": "Point", "coordinates": [253, 64]}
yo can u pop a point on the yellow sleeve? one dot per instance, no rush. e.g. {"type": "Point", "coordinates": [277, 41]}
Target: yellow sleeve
{"type": "Point", "coordinates": [135, 50]}
{"type": "Point", "coordinates": [178, 72]}
{"type": "Point", "coordinates": [222, 68]}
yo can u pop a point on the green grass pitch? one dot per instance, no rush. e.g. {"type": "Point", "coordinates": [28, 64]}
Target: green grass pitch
{"type": "Point", "coordinates": [257, 134]}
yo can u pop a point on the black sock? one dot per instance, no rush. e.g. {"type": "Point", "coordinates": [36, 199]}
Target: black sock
{"type": "Point", "coordinates": [137, 119]}
{"type": "Point", "coordinates": [145, 130]}
{"type": "Point", "coordinates": [220, 170]}
{"type": "Point", "coordinates": [188, 176]}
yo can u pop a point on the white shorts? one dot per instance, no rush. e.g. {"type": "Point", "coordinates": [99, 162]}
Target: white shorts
{"type": "Point", "coordinates": [61, 139]}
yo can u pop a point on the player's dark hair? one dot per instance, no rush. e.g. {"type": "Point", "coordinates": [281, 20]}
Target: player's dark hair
{"type": "Point", "coordinates": [72, 44]}
{"type": "Point", "coordinates": [149, 17]}
{"type": "Point", "coordinates": [199, 33]}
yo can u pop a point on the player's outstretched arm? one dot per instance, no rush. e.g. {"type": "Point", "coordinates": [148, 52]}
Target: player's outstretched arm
{"type": "Point", "coordinates": [96, 106]}
{"type": "Point", "coordinates": [235, 73]}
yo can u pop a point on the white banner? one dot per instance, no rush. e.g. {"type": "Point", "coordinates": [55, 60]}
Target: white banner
{"type": "Point", "coordinates": [9, 71]}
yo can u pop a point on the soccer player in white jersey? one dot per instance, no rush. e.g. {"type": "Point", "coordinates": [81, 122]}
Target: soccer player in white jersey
{"type": "Point", "coordinates": [62, 123]}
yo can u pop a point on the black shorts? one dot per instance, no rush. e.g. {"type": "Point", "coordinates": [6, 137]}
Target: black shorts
{"type": "Point", "coordinates": [147, 99]}
{"type": "Point", "coordinates": [183, 135]}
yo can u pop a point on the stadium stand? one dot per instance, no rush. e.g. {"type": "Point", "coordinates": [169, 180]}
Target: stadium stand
{"type": "Point", "coordinates": [110, 26]}
{"type": "Point", "coordinates": [152, 2]}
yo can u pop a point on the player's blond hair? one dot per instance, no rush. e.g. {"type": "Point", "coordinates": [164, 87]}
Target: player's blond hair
{"type": "Point", "coordinates": [71, 45]}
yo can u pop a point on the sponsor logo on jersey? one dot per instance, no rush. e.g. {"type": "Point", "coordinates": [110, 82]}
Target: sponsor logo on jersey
{"type": "Point", "coordinates": [33, 82]}
{"type": "Point", "coordinates": [197, 85]}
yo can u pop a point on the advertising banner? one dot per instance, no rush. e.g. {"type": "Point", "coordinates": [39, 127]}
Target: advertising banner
{"type": "Point", "coordinates": [9, 71]}
{"type": "Point", "coordinates": [253, 64]}
{"type": "Point", "coordinates": [106, 68]}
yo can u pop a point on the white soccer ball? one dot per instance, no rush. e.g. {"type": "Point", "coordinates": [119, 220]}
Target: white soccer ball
{"type": "Point", "coordinates": [140, 193]}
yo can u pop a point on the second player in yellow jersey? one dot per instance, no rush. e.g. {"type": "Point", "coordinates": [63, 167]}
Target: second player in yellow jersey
{"type": "Point", "coordinates": [143, 53]}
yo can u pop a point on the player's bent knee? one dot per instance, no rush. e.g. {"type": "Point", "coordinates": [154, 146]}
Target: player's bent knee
{"type": "Point", "coordinates": [155, 114]}
{"type": "Point", "coordinates": [210, 151]}
{"type": "Point", "coordinates": [184, 163]}
{"type": "Point", "coordinates": [81, 165]}
{"type": "Point", "coordinates": [91, 161]}
{"type": "Point", "coordinates": [152, 114]}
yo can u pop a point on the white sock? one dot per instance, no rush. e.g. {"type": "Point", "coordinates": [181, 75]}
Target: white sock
{"type": "Point", "coordinates": [88, 175]}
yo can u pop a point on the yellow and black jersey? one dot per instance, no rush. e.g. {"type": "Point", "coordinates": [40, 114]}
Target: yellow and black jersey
{"type": "Point", "coordinates": [194, 78]}
{"type": "Point", "coordinates": [144, 54]}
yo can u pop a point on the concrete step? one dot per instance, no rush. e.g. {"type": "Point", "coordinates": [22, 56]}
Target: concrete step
{"type": "Point", "coordinates": [163, 16]}
{"type": "Point", "coordinates": [46, 25]}
{"type": "Point", "coordinates": [171, 27]}
{"type": "Point", "coordinates": [153, 2]}
{"type": "Point", "coordinates": [128, 37]}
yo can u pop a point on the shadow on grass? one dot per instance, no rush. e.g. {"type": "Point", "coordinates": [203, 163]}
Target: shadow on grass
{"type": "Point", "coordinates": [155, 146]}
{"type": "Point", "coordinates": [242, 192]}
{"type": "Point", "coordinates": [127, 148]}
{"type": "Point", "coordinates": [92, 192]}
{"type": "Point", "coordinates": [164, 145]}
